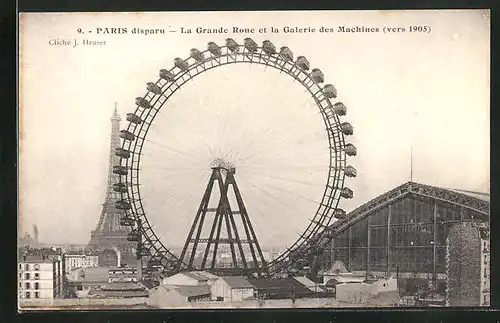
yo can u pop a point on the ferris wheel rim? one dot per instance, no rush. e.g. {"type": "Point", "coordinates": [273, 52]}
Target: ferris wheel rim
{"type": "Point", "coordinates": [337, 161]}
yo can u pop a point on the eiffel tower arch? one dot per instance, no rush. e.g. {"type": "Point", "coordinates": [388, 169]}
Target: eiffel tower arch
{"type": "Point", "coordinates": [228, 226]}
{"type": "Point", "coordinates": [109, 234]}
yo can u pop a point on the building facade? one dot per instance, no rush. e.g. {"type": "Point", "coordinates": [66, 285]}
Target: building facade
{"type": "Point", "coordinates": [191, 278]}
{"type": "Point", "coordinates": [232, 289]}
{"type": "Point", "coordinates": [485, 266]}
{"type": "Point", "coordinates": [467, 266]}
{"type": "Point", "coordinates": [127, 274]}
{"type": "Point", "coordinates": [41, 277]}
{"type": "Point", "coordinates": [167, 296]}
{"type": "Point", "coordinates": [80, 261]}
{"type": "Point", "coordinates": [403, 233]}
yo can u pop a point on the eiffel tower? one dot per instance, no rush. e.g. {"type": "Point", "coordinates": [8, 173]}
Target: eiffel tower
{"type": "Point", "coordinates": [109, 234]}
{"type": "Point", "coordinates": [246, 255]}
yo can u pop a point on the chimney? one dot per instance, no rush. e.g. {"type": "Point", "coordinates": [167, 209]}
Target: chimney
{"type": "Point", "coordinates": [139, 269]}
{"type": "Point", "coordinates": [118, 254]}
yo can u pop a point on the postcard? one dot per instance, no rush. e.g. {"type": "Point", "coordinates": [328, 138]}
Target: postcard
{"type": "Point", "coordinates": [275, 159]}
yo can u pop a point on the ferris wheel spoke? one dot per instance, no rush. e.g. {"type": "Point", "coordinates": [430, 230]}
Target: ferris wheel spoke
{"type": "Point", "coordinates": [281, 153]}
{"type": "Point", "coordinates": [299, 209]}
{"type": "Point", "coordinates": [280, 167]}
{"type": "Point", "coordinates": [268, 194]}
{"type": "Point", "coordinates": [173, 168]}
{"type": "Point", "coordinates": [272, 211]}
{"type": "Point", "coordinates": [195, 117]}
{"type": "Point", "coordinates": [172, 149]}
{"type": "Point", "coordinates": [292, 194]}
{"type": "Point", "coordinates": [287, 179]}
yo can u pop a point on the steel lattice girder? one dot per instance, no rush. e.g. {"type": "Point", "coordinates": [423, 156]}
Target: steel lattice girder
{"type": "Point", "coordinates": [443, 195]}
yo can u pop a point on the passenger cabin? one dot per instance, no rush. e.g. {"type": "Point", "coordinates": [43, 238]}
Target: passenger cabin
{"type": "Point", "coordinates": [330, 91]}
{"type": "Point", "coordinates": [134, 236]}
{"type": "Point", "coordinates": [127, 135]}
{"type": "Point", "coordinates": [268, 47]}
{"type": "Point", "coordinates": [120, 187]}
{"type": "Point", "coordinates": [250, 45]}
{"type": "Point", "coordinates": [123, 205]}
{"type": "Point", "coordinates": [303, 63]}
{"type": "Point", "coordinates": [134, 118]}
{"type": "Point", "coordinates": [152, 87]}
{"type": "Point", "coordinates": [167, 75]}
{"type": "Point", "coordinates": [154, 262]}
{"type": "Point", "coordinates": [214, 49]}
{"type": "Point", "coordinates": [123, 153]}
{"type": "Point", "coordinates": [126, 220]}
{"type": "Point", "coordinates": [120, 170]}
{"type": "Point", "coordinates": [346, 128]}
{"type": "Point", "coordinates": [181, 64]}
{"type": "Point", "coordinates": [317, 75]}
{"type": "Point", "coordinates": [340, 108]}
{"type": "Point", "coordinates": [197, 55]}
{"type": "Point", "coordinates": [144, 251]}
{"type": "Point", "coordinates": [231, 45]}
{"type": "Point", "coordinates": [142, 102]}
{"type": "Point", "coordinates": [350, 171]}
{"type": "Point", "coordinates": [350, 150]}
{"type": "Point", "coordinates": [286, 53]}
{"type": "Point", "coordinates": [346, 193]}
{"type": "Point", "coordinates": [340, 214]}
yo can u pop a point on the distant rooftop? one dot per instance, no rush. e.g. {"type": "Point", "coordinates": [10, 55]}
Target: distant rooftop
{"type": "Point", "coordinates": [279, 286]}
{"type": "Point", "coordinates": [308, 283]}
{"type": "Point", "coordinates": [123, 286]}
{"type": "Point", "coordinates": [189, 291]}
{"type": "Point", "coordinates": [237, 282]}
{"type": "Point", "coordinates": [36, 259]}
{"type": "Point", "coordinates": [199, 275]}
{"type": "Point", "coordinates": [98, 274]}
{"type": "Point", "coordinates": [479, 195]}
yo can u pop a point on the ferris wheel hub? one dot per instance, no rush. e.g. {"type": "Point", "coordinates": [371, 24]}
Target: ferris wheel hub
{"type": "Point", "coordinates": [223, 164]}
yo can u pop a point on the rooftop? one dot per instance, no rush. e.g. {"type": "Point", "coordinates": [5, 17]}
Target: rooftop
{"type": "Point", "coordinates": [189, 291]}
{"type": "Point", "coordinates": [478, 195]}
{"type": "Point", "coordinates": [119, 294]}
{"type": "Point", "coordinates": [149, 284]}
{"type": "Point", "coordinates": [99, 274]}
{"type": "Point", "coordinates": [34, 259]}
{"type": "Point", "coordinates": [122, 286]}
{"type": "Point", "coordinates": [279, 285]}
{"type": "Point", "coordinates": [477, 202]}
{"type": "Point", "coordinates": [237, 282]}
{"type": "Point", "coordinates": [199, 275]}
{"type": "Point", "coordinates": [308, 283]}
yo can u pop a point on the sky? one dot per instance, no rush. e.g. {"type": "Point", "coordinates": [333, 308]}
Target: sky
{"type": "Point", "coordinates": [424, 95]}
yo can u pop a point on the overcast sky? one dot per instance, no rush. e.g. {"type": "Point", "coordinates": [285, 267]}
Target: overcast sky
{"type": "Point", "coordinates": [428, 93]}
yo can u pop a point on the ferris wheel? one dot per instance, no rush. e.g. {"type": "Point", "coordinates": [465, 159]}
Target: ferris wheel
{"type": "Point", "coordinates": [142, 122]}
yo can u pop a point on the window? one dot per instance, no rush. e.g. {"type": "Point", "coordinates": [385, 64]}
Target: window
{"type": "Point", "coordinates": [27, 276]}
{"type": "Point", "coordinates": [37, 295]}
{"type": "Point", "coordinates": [36, 286]}
{"type": "Point", "coordinates": [20, 267]}
{"type": "Point", "coordinates": [37, 276]}
{"type": "Point", "coordinates": [37, 267]}
{"type": "Point", "coordinates": [485, 299]}
{"type": "Point", "coordinates": [26, 267]}
{"type": "Point", "coordinates": [27, 294]}
{"type": "Point", "coordinates": [27, 286]}
{"type": "Point", "coordinates": [485, 273]}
